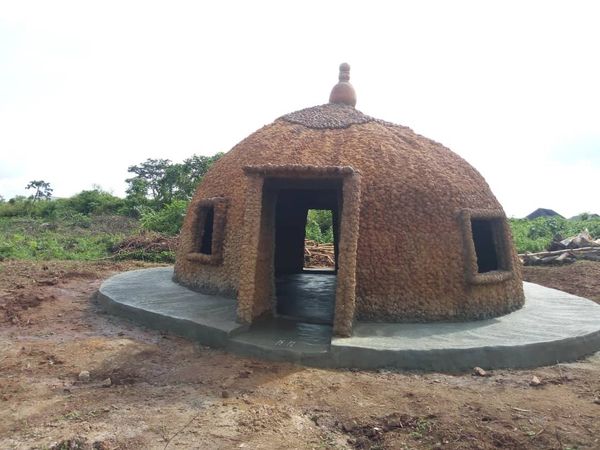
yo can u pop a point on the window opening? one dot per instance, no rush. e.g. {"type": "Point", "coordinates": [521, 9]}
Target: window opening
{"type": "Point", "coordinates": [207, 213]}
{"type": "Point", "coordinates": [209, 231]}
{"type": "Point", "coordinates": [485, 245]}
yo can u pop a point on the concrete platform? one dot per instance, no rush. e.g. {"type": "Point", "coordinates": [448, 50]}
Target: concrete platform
{"type": "Point", "coordinates": [552, 327]}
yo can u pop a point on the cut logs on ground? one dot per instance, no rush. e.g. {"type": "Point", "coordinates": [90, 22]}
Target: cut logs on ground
{"type": "Point", "coordinates": [565, 251]}
{"type": "Point", "coordinates": [318, 255]}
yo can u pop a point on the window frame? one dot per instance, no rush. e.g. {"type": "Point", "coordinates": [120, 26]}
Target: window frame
{"type": "Point", "coordinates": [219, 207]}
{"type": "Point", "coordinates": [501, 238]}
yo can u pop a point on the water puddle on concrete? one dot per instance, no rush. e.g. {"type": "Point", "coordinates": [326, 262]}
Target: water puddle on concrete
{"type": "Point", "coordinates": [306, 297]}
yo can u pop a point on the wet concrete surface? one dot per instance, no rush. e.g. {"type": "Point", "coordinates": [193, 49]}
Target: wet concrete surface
{"type": "Point", "coordinates": [151, 297]}
{"type": "Point", "coordinates": [294, 330]}
{"type": "Point", "coordinates": [285, 340]}
{"type": "Point", "coordinates": [307, 297]}
{"type": "Point", "coordinates": [552, 327]}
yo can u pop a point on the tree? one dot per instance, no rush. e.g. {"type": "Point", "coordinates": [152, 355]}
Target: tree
{"type": "Point", "coordinates": [158, 182]}
{"type": "Point", "coordinates": [319, 225]}
{"type": "Point", "coordinates": [137, 192]}
{"type": "Point", "coordinates": [151, 172]}
{"type": "Point", "coordinates": [42, 190]}
{"type": "Point", "coordinates": [193, 170]}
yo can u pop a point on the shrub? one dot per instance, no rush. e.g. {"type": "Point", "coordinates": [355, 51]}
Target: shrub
{"type": "Point", "coordinates": [319, 226]}
{"type": "Point", "coordinates": [536, 235]}
{"type": "Point", "coordinates": [95, 201]}
{"type": "Point", "coordinates": [16, 207]}
{"type": "Point", "coordinates": [167, 220]}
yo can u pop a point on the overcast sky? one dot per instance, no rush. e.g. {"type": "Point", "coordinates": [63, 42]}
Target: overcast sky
{"type": "Point", "coordinates": [89, 88]}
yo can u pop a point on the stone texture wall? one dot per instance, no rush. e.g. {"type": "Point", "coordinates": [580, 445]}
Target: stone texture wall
{"type": "Point", "coordinates": [411, 259]}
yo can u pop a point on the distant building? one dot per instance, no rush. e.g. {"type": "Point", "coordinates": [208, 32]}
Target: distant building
{"type": "Point", "coordinates": [543, 212]}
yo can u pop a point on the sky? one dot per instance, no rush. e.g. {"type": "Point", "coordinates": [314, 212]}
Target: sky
{"type": "Point", "coordinates": [90, 88]}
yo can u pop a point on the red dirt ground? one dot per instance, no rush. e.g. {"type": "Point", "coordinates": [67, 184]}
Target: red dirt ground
{"type": "Point", "coordinates": [167, 393]}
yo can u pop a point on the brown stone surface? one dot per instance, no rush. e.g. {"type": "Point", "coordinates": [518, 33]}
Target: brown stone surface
{"type": "Point", "coordinates": [219, 205]}
{"type": "Point", "coordinates": [412, 253]}
{"type": "Point", "coordinates": [328, 116]}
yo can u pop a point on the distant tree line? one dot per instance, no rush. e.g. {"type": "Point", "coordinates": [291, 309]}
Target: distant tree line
{"type": "Point", "coordinates": [158, 194]}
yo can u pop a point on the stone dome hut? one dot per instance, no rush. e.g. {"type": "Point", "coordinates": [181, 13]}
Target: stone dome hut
{"type": "Point", "coordinates": [418, 234]}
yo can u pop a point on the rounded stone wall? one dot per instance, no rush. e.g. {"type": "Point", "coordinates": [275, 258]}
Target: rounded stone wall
{"type": "Point", "coordinates": [426, 217]}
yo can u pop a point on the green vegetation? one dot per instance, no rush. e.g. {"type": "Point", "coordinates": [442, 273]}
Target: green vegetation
{"type": "Point", "coordinates": [159, 182]}
{"type": "Point", "coordinates": [167, 220]}
{"type": "Point", "coordinates": [535, 235]}
{"type": "Point", "coordinates": [85, 203]}
{"type": "Point", "coordinates": [319, 226]}
{"type": "Point", "coordinates": [93, 224]}
{"type": "Point", "coordinates": [42, 190]}
{"type": "Point", "coordinates": [67, 238]}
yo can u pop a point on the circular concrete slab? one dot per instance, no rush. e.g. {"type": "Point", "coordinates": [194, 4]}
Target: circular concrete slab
{"type": "Point", "coordinates": [552, 327]}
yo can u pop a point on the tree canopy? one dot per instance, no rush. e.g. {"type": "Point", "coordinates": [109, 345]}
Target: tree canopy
{"type": "Point", "coordinates": [158, 182]}
{"type": "Point", "coordinates": [42, 190]}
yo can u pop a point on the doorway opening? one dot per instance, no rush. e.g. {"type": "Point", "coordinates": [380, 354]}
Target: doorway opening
{"type": "Point", "coordinates": [303, 292]}
{"type": "Point", "coordinates": [319, 249]}
{"type": "Point", "coordinates": [336, 188]}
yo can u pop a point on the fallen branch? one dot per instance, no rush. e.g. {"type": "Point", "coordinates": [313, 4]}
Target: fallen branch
{"type": "Point", "coordinates": [560, 252]}
{"type": "Point", "coordinates": [183, 428]}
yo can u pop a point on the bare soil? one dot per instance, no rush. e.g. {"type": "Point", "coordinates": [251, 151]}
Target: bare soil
{"type": "Point", "coordinates": [581, 278]}
{"type": "Point", "coordinates": [151, 390]}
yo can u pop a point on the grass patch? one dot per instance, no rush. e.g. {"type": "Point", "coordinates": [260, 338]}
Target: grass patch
{"type": "Point", "coordinates": [75, 238]}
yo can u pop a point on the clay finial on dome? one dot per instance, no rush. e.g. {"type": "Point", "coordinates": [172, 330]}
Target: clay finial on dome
{"type": "Point", "coordinates": [343, 92]}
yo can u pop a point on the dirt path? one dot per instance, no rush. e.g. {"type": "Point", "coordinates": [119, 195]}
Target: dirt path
{"type": "Point", "coordinates": [166, 392]}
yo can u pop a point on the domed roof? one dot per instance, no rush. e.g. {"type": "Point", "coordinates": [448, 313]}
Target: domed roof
{"type": "Point", "coordinates": [331, 116]}
{"type": "Point", "coordinates": [340, 135]}
{"type": "Point", "coordinates": [412, 197]}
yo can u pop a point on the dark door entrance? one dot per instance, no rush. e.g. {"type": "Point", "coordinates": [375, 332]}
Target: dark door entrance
{"type": "Point", "coordinates": [305, 295]}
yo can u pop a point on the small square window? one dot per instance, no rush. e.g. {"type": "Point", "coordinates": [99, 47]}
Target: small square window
{"type": "Point", "coordinates": [206, 218]}
{"type": "Point", "coordinates": [209, 231]}
{"type": "Point", "coordinates": [487, 246]}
